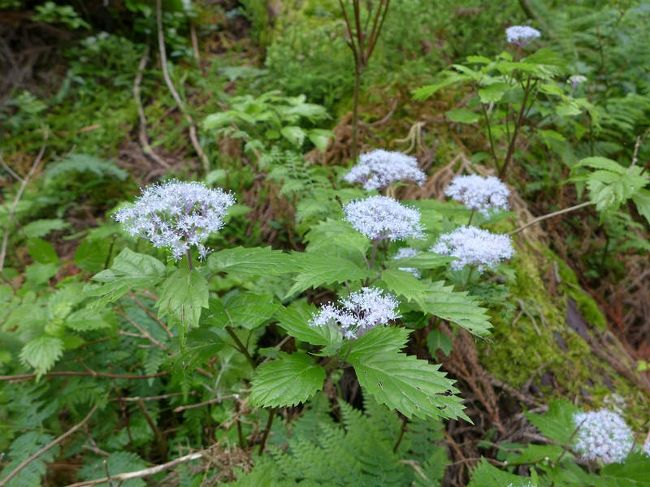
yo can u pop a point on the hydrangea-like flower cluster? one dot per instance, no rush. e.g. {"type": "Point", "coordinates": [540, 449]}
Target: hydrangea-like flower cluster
{"type": "Point", "coordinates": [406, 253]}
{"type": "Point", "coordinates": [359, 312]}
{"type": "Point", "coordinates": [383, 218]}
{"type": "Point", "coordinates": [576, 80]}
{"type": "Point", "coordinates": [474, 246]}
{"type": "Point", "coordinates": [379, 169]}
{"type": "Point", "coordinates": [177, 215]}
{"type": "Point", "coordinates": [603, 436]}
{"type": "Point", "coordinates": [479, 193]}
{"type": "Point", "coordinates": [522, 35]}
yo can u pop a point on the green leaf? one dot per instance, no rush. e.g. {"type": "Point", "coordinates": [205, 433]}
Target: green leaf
{"type": "Point", "coordinates": [89, 319]}
{"type": "Point", "coordinates": [295, 135]}
{"type": "Point", "coordinates": [449, 79]}
{"type": "Point", "coordinates": [642, 201]}
{"type": "Point", "coordinates": [80, 163]}
{"type": "Point", "coordinates": [40, 228]}
{"type": "Point", "coordinates": [602, 163]}
{"type": "Point", "coordinates": [385, 339]}
{"type": "Point", "coordinates": [532, 454]}
{"type": "Point", "coordinates": [631, 473]}
{"type": "Point", "coordinates": [92, 255]}
{"type": "Point", "coordinates": [183, 295]}
{"type": "Point", "coordinates": [295, 321]}
{"type": "Point", "coordinates": [247, 310]}
{"type": "Point", "coordinates": [38, 273]}
{"type": "Point", "coordinates": [42, 353]}
{"type": "Point", "coordinates": [437, 340]}
{"type": "Point", "coordinates": [130, 270]}
{"type": "Point", "coordinates": [462, 115]}
{"type": "Point", "coordinates": [458, 307]}
{"type": "Point", "coordinates": [557, 423]}
{"type": "Point", "coordinates": [42, 251]}
{"type": "Point", "coordinates": [487, 475]}
{"type": "Point", "coordinates": [493, 93]}
{"type": "Point", "coordinates": [413, 387]}
{"type": "Point", "coordinates": [318, 270]}
{"type": "Point", "coordinates": [403, 283]}
{"type": "Point", "coordinates": [422, 260]}
{"type": "Point", "coordinates": [339, 238]}
{"type": "Point", "coordinates": [255, 261]}
{"type": "Point", "coordinates": [320, 138]}
{"type": "Point", "coordinates": [286, 381]}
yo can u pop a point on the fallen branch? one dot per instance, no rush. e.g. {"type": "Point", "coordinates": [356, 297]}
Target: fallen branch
{"type": "Point", "coordinates": [142, 131]}
{"type": "Point", "coordinates": [51, 444]}
{"type": "Point", "coordinates": [12, 211]}
{"type": "Point", "coordinates": [551, 215]}
{"type": "Point", "coordinates": [165, 69]}
{"type": "Point", "coordinates": [138, 474]}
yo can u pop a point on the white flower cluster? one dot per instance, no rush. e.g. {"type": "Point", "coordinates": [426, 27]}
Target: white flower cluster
{"type": "Point", "coordinates": [479, 193]}
{"type": "Point", "coordinates": [602, 436]}
{"type": "Point", "coordinates": [359, 312]}
{"type": "Point", "coordinates": [177, 215]}
{"type": "Point", "coordinates": [576, 80]}
{"type": "Point", "coordinates": [406, 253]}
{"type": "Point", "coordinates": [474, 246]}
{"type": "Point", "coordinates": [383, 218]}
{"type": "Point", "coordinates": [522, 35]}
{"type": "Point", "coordinates": [379, 169]}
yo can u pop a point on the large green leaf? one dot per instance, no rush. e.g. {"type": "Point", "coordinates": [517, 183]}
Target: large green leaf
{"type": "Point", "coordinates": [320, 270]}
{"type": "Point", "coordinates": [286, 381]}
{"type": "Point", "coordinates": [295, 321]}
{"type": "Point", "coordinates": [378, 340]}
{"type": "Point", "coordinates": [422, 260]}
{"type": "Point", "coordinates": [634, 472]}
{"type": "Point", "coordinates": [642, 201]}
{"type": "Point", "coordinates": [87, 319]}
{"type": "Point", "coordinates": [247, 310]}
{"type": "Point", "coordinates": [413, 387]}
{"type": "Point", "coordinates": [42, 353]}
{"type": "Point", "coordinates": [557, 423]}
{"type": "Point", "coordinates": [130, 270]}
{"type": "Point", "coordinates": [182, 296]}
{"type": "Point", "coordinates": [486, 475]}
{"type": "Point", "coordinates": [403, 283]}
{"type": "Point", "coordinates": [338, 238]}
{"type": "Point", "coordinates": [255, 261]}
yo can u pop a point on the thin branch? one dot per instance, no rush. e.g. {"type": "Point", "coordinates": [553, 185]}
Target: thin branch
{"type": "Point", "coordinates": [267, 430]}
{"type": "Point", "coordinates": [142, 330]}
{"type": "Point", "coordinates": [551, 215]}
{"type": "Point", "coordinates": [240, 346]}
{"type": "Point", "coordinates": [214, 400]}
{"type": "Point", "coordinates": [50, 445]}
{"type": "Point", "coordinates": [165, 69]}
{"type": "Point", "coordinates": [138, 474]}
{"type": "Point", "coordinates": [160, 438]}
{"type": "Point", "coordinates": [515, 132]}
{"type": "Point", "coordinates": [74, 373]}
{"type": "Point", "coordinates": [142, 131]}
{"type": "Point", "coordinates": [14, 205]}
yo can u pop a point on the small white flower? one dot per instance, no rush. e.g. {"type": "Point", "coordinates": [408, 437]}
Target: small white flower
{"type": "Point", "coordinates": [522, 35]}
{"type": "Point", "coordinates": [479, 193]}
{"type": "Point", "coordinates": [177, 215]}
{"type": "Point", "coordinates": [359, 312]}
{"type": "Point", "coordinates": [576, 80]}
{"type": "Point", "coordinates": [406, 253]}
{"type": "Point", "coordinates": [383, 218]}
{"type": "Point", "coordinates": [379, 169]}
{"type": "Point", "coordinates": [474, 246]}
{"type": "Point", "coordinates": [602, 436]}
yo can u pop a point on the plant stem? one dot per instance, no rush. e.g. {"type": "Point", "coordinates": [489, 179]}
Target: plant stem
{"type": "Point", "coordinates": [189, 260]}
{"type": "Point", "coordinates": [515, 132]}
{"type": "Point", "coordinates": [490, 137]}
{"type": "Point", "coordinates": [401, 434]}
{"type": "Point", "coordinates": [471, 215]}
{"type": "Point", "coordinates": [240, 346]}
{"type": "Point", "coordinates": [469, 277]}
{"type": "Point", "coordinates": [355, 111]}
{"type": "Point", "coordinates": [551, 215]}
{"type": "Point", "coordinates": [267, 430]}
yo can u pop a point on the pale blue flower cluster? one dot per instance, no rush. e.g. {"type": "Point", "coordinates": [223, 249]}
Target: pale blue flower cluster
{"type": "Point", "coordinates": [522, 35]}
{"type": "Point", "coordinates": [177, 215]}
{"type": "Point", "coordinates": [359, 312]}
{"type": "Point", "coordinates": [602, 436]}
{"type": "Point", "coordinates": [482, 194]}
{"type": "Point", "coordinates": [379, 169]}
{"type": "Point", "coordinates": [383, 218]}
{"type": "Point", "coordinates": [406, 253]}
{"type": "Point", "coordinates": [474, 246]}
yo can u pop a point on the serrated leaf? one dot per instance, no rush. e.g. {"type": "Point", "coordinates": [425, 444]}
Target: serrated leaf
{"type": "Point", "coordinates": [320, 138]}
{"type": "Point", "coordinates": [422, 260]}
{"type": "Point", "coordinates": [557, 423]}
{"type": "Point", "coordinates": [42, 251]}
{"type": "Point", "coordinates": [338, 238]}
{"type": "Point", "coordinates": [385, 339]}
{"type": "Point", "coordinates": [295, 135]}
{"type": "Point", "coordinates": [76, 163]}
{"type": "Point", "coordinates": [183, 295]}
{"type": "Point", "coordinates": [437, 340]}
{"type": "Point", "coordinates": [487, 475]}
{"type": "Point", "coordinates": [450, 78]}
{"type": "Point", "coordinates": [256, 261]}
{"type": "Point", "coordinates": [634, 472]}
{"type": "Point", "coordinates": [287, 381]}
{"type": "Point", "coordinates": [458, 307]}
{"type": "Point", "coordinates": [602, 163]}
{"type": "Point", "coordinates": [42, 353]}
{"type": "Point", "coordinates": [462, 115]}
{"type": "Point", "coordinates": [493, 93]}
{"type": "Point", "coordinates": [295, 321]}
{"type": "Point", "coordinates": [320, 270]}
{"type": "Point", "coordinates": [642, 201]}
{"type": "Point", "coordinates": [130, 270]}
{"type": "Point", "coordinates": [411, 386]}
{"type": "Point", "coordinates": [88, 319]}
{"type": "Point", "coordinates": [24, 446]}
{"type": "Point", "coordinates": [246, 310]}
{"type": "Point", "coordinates": [403, 283]}
{"type": "Point", "coordinates": [40, 228]}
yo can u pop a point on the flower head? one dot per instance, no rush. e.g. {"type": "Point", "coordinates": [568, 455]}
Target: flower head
{"type": "Point", "coordinates": [406, 253]}
{"type": "Point", "coordinates": [379, 169]}
{"type": "Point", "coordinates": [177, 215]}
{"type": "Point", "coordinates": [521, 35]}
{"type": "Point", "coordinates": [383, 218]}
{"type": "Point", "coordinates": [474, 246]}
{"type": "Point", "coordinates": [576, 80]}
{"type": "Point", "coordinates": [603, 436]}
{"type": "Point", "coordinates": [479, 193]}
{"type": "Point", "coordinates": [359, 312]}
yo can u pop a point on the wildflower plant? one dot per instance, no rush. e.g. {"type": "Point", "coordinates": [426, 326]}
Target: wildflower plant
{"type": "Point", "coordinates": [379, 169]}
{"type": "Point", "coordinates": [382, 218]}
{"type": "Point", "coordinates": [482, 194]}
{"type": "Point", "coordinates": [603, 436]}
{"type": "Point", "coordinates": [522, 35]}
{"type": "Point", "coordinates": [473, 246]}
